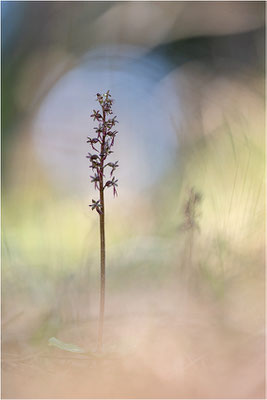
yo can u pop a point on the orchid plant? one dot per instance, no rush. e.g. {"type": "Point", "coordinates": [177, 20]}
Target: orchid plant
{"type": "Point", "coordinates": [102, 178]}
{"type": "Point", "coordinates": [191, 213]}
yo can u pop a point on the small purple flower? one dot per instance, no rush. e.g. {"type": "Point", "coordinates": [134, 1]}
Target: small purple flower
{"type": "Point", "coordinates": [92, 142]}
{"type": "Point", "coordinates": [95, 179]}
{"type": "Point", "coordinates": [113, 166]}
{"type": "Point", "coordinates": [113, 183]}
{"type": "Point", "coordinates": [96, 115]}
{"type": "Point", "coordinates": [96, 205]}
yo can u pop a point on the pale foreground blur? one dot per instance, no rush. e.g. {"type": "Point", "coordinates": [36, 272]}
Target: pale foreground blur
{"type": "Point", "coordinates": [184, 307]}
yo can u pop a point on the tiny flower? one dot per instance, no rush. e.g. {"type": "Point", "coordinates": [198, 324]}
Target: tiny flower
{"type": "Point", "coordinates": [95, 165]}
{"type": "Point", "coordinates": [107, 107]}
{"type": "Point", "coordinates": [99, 129]}
{"type": "Point", "coordinates": [93, 141]}
{"type": "Point", "coordinates": [115, 193]}
{"type": "Point", "coordinates": [92, 157]}
{"type": "Point", "coordinates": [99, 98]}
{"type": "Point", "coordinates": [111, 122]}
{"type": "Point", "coordinates": [113, 166]}
{"type": "Point", "coordinates": [107, 94]}
{"type": "Point", "coordinates": [113, 183]}
{"type": "Point", "coordinates": [95, 179]}
{"type": "Point", "coordinates": [96, 205]}
{"type": "Point", "coordinates": [96, 115]}
{"type": "Point", "coordinates": [112, 134]}
{"type": "Point", "coordinates": [106, 150]}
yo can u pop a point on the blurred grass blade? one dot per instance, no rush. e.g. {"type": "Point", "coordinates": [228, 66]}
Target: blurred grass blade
{"type": "Point", "coordinates": [65, 346]}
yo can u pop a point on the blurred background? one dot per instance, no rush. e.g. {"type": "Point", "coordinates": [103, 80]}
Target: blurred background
{"type": "Point", "coordinates": [185, 237]}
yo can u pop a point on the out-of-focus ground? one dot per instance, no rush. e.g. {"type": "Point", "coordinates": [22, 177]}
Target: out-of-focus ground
{"type": "Point", "coordinates": [158, 343]}
{"type": "Point", "coordinates": [184, 307]}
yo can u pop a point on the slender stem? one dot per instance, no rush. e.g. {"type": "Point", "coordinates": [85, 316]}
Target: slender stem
{"type": "Point", "coordinates": [103, 272]}
{"type": "Point", "coordinates": [102, 249]}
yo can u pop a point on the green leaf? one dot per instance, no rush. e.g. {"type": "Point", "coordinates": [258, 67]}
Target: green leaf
{"type": "Point", "coordinates": [65, 346]}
